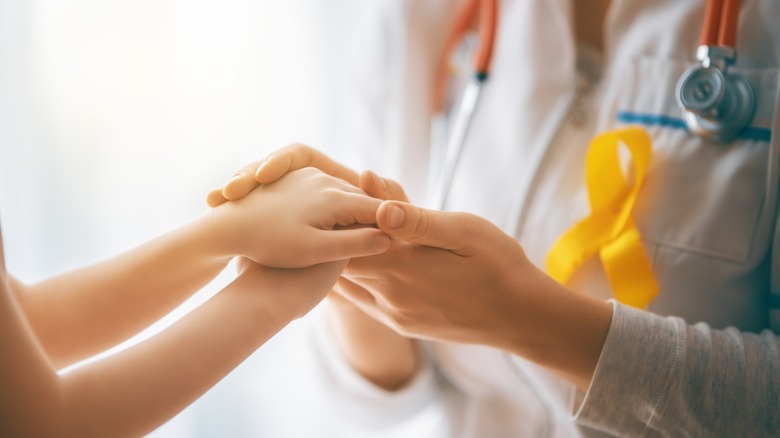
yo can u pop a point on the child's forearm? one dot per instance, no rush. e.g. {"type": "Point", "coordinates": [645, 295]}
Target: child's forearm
{"type": "Point", "coordinates": [136, 390]}
{"type": "Point", "coordinates": [86, 311]}
{"type": "Point", "coordinates": [140, 388]}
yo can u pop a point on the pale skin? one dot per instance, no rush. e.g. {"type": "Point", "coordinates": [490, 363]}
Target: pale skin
{"type": "Point", "coordinates": [448, 276]}
{"type": "Point", "coordinates": [57, 322]}
{"type": "Point", "coordinates": [503, 300]}
{"type": "Point", "coordinates": [372, 348]}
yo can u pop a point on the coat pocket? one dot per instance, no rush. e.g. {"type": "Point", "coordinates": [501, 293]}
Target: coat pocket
{"type": "Point", "coordinates": [699, 195]}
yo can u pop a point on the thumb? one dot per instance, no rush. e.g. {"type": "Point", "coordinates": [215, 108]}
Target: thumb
{"type": "Point", "coordinates": [413, 224]}
{"type": "Point", "coordinates": [333, 245]}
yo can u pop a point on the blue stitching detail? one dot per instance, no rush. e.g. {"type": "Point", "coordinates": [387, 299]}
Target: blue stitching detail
{"type": "Point", "coordinates": [749, 133]}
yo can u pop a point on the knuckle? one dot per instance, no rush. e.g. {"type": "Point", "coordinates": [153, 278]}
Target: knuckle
{"type": "Point", "coordinates": [397, 191]}
{"type": "Point", "coordinates": [421, 225]}
{"type": "Point", "coordinates": [300, 153]}
{"type": "Point", "coordinates": [331, 196]}
{"type": "Point", "coordinates": [308, 171]}
{"type": "Point", "coordinates": [470, 223]}
{"type": "Point", "coordinates": [298, 147]}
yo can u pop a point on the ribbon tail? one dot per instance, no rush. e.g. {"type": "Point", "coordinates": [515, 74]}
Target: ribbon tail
{"type": "Point", "coordinates": [628, 269]}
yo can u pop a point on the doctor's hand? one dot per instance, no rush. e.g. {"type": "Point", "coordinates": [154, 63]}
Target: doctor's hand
{"type": "Point", "coordinates": [448, 276]}
{"type": "Point", "coordinates": [303, 219]}
{"type": "Point", "coordinates": [456, 277]}
{"type": "Point", "coordinates": [283, 161]}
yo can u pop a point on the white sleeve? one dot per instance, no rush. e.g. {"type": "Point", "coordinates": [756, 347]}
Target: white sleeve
{"type": "Point", "coordinates": [358, 400]}
{"type": "Point", "coordinates": [658, 376]}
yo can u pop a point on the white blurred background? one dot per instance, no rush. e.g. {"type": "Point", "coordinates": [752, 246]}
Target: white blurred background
{"type": "Point", "coordinates": [116, 118]}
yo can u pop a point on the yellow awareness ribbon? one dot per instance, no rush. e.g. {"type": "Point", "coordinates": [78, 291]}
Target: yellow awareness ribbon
{"type": "Point", "coordinates": [610, 230]}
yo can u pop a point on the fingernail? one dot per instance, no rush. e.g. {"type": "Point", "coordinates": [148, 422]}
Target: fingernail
{"type": "Point", "coordinates": [381, 242]}
{"type": "Point", "coordinates": [261, 166]}
{"type": "Point", "coordinates": [395, 216]}
{"type": "Point", "coordinates": [379, 181]}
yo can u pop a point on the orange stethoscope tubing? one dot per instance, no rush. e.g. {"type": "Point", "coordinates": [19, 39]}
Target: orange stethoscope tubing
{"type": "Point", "coordinates": [720, 28]}
{"type": "Point", "coordinates": [486, 12]}
{"type": "Point", "coordinates": [620, 248]}
{"type": "Point", "coordinates": [716, 104]}
{"type": "Point", "coordinates": [720, 23]}
{"type": "Point", "coordinates": [719, 112]}
{"type": "Point", "coordinates": [456, 130]}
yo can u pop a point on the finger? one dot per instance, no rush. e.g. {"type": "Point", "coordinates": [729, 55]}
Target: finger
{"type": "Point", "coordinates": [242, 182]}
{"type": "Point", "coordinates": [400, 257]}
{"type": "Point", "coordinates": [353, 208]}
{"type": "Point", "coordinates": [381, 188]}
{"type": "Point", "coordinates": [361, 298]}
{"type": "Point", "coordinates": [346, 289]}
{"type": "Point", "coordinates": [370, 301]}
{"type": "Point", "coordinates": [440, 229]}
{"type": "Point", "coordinates": [345, 244]}
{"type": "Point", "coordinates": [325, 180]}
{"type": "Point", "coordinates": [298, 156]}
{"type": "Point", "coordinates": [335, 296]}
{"type": "Point", "coordinates": [215, 198]}
{"type": "Point", "coordinates": [274, 167]}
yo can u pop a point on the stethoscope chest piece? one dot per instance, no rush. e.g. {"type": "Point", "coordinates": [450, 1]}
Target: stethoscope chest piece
{"type": "Point", "coordinates": [716, 105]}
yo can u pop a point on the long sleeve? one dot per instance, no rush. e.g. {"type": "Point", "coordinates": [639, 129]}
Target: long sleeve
{"type": "Point", "coordinates": [658, 376]}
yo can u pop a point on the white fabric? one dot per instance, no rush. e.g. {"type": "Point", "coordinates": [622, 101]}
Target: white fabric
{"type": "Point", "coordinates": [707, 212]}
{"type": "Point", "coordinates": [364, 398]}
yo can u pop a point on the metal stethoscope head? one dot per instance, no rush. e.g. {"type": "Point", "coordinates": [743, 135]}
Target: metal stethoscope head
{"type": "Point", "coordinates": [716, 104]}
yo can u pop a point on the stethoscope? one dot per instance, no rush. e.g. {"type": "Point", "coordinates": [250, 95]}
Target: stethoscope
{"type": "Point", "coordinates": [487, 13]}
{"type": "Point", "coordinates": [716, 103]}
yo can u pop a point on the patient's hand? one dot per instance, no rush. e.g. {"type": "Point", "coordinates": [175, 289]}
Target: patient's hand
{"type": "Point", "coordinates": [291, 158]}
{"type": "Point", "coordinates": [374, 350]}
{"type": "Point", "coordinates": [292, 222]}
{"type": "Point", "coordinates": [292, 292]}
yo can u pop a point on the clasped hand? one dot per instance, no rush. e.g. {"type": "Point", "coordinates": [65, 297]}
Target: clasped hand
{"type": "Point", "coordinates": [447, 275]}
{"type": "Point", "coordinates": [306, 222]}
{"type": "Point", "coordinates": [291, 223]}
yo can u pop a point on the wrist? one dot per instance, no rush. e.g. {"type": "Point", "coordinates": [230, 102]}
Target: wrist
{"type": "Point", "coordinates": [556, 327]}
{"type": "Point", "coordinates": [374, 350]}
{"type": "Point", "coordinates": [264, 298]}
{"type": "Point", "coordinates": [210, 237]}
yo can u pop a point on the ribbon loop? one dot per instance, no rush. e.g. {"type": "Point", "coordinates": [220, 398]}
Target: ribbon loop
{"type": "Point", "coordinates": [610, 230]}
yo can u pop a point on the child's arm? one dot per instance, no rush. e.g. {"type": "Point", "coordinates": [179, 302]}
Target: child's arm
{"type": "Point", "coordinates": [286, 224]}
{"type": "Point", "coordinates": [136, 390]}
{"type": "Point", "coordinates": [381, 355]}
{"type": "Point", "coordinates": [83, 312]}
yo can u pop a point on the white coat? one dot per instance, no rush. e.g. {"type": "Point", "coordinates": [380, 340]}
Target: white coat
{"type": "Point", "coordinates": [707, 212]}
